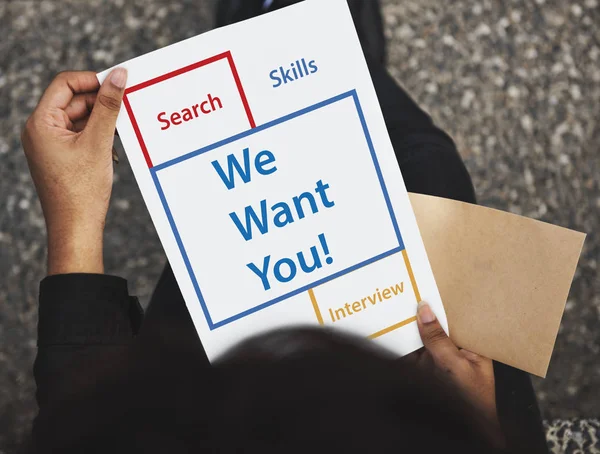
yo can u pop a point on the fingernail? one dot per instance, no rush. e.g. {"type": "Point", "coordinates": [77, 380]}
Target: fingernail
{"type": "Point", "coordinates": [425, 313]}
{"type": "Point", "coordinates": [119, 78]}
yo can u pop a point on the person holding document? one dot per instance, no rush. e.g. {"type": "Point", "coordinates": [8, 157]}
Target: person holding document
{"type": "Point", "coordinates": [111, 378]}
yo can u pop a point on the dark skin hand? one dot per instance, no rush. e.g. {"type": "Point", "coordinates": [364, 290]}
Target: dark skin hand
{"type": "Point", "coordinates": [471, 374]}
{"type": "Point", "coordinates": [68, 142]}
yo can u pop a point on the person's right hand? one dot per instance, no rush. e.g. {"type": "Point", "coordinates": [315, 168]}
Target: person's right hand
{"type": "Point", "coordinates": [471, 374]}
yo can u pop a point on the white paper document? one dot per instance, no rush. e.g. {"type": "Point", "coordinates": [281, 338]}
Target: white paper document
{"type": "Point", "coordinates": [262, 155]}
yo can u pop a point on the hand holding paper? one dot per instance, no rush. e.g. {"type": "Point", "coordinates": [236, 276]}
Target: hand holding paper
{"type": "Point", "coordinates": [471, 374]}
{"type": "Point", "coordinates": [69, 155]}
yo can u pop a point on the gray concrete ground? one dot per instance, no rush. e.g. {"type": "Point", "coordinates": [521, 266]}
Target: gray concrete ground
{"type": "Point", "coordinates": [516, 83]}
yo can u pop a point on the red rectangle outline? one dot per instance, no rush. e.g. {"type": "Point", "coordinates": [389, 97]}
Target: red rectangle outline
{"type": "Point", "coordinates": [178, 72]}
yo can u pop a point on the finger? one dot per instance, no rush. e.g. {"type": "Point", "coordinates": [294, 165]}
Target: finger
{"type": "Point", "coordinates": [79, 125]}
{"type": "Point", "coordinates": [103, 119]}
{"type": "Point", "coordinates": [65, 85]}
{"type": "Point", "coordinates": [482, 363]}
{"type": "Point", "coordinates": [80, 106]}
{"type": "Point", "coordinates": [472, 357]}
{"type": "Point", "coordinates": [435, 339]}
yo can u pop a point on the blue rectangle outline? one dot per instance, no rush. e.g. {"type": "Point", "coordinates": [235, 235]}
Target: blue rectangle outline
{"type": "Point", "coordinates": [153, 171]}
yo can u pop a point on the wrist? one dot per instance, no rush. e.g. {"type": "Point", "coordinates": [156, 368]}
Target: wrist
{"type": "Point", "coordinates": [75, 249]}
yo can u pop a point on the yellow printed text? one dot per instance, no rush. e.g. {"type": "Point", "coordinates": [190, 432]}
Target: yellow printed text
{"type": "Point", "coordinates": [366, 302]}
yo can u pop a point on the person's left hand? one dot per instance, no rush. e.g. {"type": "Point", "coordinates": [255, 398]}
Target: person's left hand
{"type": "Point", "coordinates": [471, 375]}
{"type": "Point", "coordinates": [68, 144]}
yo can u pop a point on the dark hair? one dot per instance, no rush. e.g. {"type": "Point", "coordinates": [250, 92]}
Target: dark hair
{"type": "Point", "coordinates": [298, 390]}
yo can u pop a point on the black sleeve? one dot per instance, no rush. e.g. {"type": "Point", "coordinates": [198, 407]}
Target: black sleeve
{"type": "Point", "coordinates": [80, 315]}
{"type": "Point", "coordinates": [427, 156]}
{"type": "Point", "coordinates": [518, 410]}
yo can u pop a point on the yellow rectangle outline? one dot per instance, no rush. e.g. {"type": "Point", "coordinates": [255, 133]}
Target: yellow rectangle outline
{"type": "Point", "coordinates": [391, 328]}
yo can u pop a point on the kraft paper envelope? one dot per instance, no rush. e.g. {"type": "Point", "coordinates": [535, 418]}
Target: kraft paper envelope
{"type": "Point", "coordinates": [504, 279]}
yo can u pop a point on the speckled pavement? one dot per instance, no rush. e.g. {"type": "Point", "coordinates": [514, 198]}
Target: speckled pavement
{"type": "Point", "coordinates": [516, 83]}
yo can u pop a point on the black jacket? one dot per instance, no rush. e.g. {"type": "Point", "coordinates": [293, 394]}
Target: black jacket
{"type": "Point", "coordinates": [90, 331]}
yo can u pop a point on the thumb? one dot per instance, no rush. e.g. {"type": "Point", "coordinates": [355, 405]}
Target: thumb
{"type": "Point", "coordinates": [101, 125]}
{"type": "Point", "coordinates": [435, 339]}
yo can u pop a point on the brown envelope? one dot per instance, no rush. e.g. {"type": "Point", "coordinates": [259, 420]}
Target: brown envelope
{"type": "Point", "coordinates": [504, 279]}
